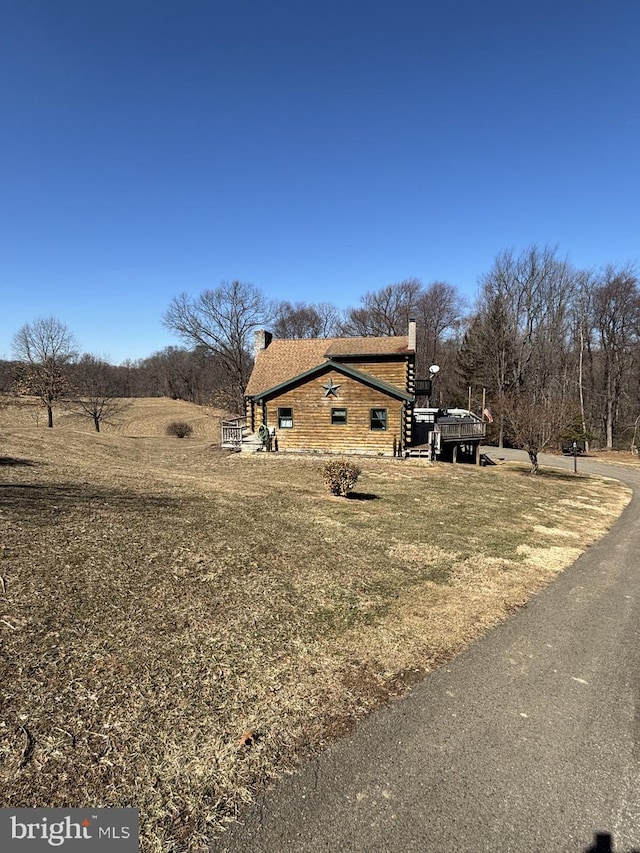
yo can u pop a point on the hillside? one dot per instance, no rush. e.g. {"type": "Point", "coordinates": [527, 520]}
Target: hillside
{"type": "Point", "coordinates": [142, 418]}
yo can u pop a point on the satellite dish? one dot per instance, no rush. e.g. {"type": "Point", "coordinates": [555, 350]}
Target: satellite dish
{"type": "Point", "coordinates": [434, 368]}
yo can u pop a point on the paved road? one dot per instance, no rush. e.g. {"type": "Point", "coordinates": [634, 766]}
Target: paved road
{"type": "Point", "coordinates": [528, 741]}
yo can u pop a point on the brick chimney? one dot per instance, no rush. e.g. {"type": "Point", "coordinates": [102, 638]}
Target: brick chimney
{"type": "Point", "coordinates": [412, 334]}
{"type": "Point", "coordinates": [261, 340]}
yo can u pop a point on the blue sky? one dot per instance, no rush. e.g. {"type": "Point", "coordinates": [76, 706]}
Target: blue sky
{"type": "Point", "coordinates": [315, 148]}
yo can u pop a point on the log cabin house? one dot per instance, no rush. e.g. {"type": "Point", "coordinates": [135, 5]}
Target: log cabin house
{"type": "Point", "coordinates": [334, 394]}
{"type": "Point", "coordinates": [346, 395]}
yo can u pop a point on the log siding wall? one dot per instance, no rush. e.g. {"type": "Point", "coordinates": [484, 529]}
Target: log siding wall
{"type": "Point", "coordinates": [312, 428]}
{"type": "Point", "coordinates": [393, 372]}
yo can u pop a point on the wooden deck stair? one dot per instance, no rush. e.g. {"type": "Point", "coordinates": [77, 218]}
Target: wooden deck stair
{"type": "Point", "coordinates": [421, 451]}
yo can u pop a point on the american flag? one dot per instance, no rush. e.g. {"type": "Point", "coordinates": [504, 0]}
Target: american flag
{"type": "Point", "coordinates": [487, 414]}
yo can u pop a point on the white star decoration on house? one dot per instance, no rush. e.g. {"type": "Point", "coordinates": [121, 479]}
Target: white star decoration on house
{"type": "Point", "coordinates": [330, 390]}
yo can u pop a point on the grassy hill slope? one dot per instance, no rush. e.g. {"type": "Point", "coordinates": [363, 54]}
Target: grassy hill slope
{"type": "Point", "coordinates": [142, 417]}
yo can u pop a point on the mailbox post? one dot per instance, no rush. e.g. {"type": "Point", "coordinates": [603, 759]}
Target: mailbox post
{"type": "Point", "coordinates": [575, 457]}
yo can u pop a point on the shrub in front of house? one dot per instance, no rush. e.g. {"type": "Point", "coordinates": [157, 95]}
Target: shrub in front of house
{"type": "Point", "coordinates": [181, 429]}
{"type": "Point", "coordinates": [340, 476]}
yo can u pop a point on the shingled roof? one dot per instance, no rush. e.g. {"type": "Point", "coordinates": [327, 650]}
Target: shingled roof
{"type": "Point", "coordinates": [398, 345]}
{"type": "Point", "coordinates": [286, 358]}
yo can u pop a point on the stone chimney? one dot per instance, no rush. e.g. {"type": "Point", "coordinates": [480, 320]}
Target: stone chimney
{"type": "Point", "coordinates": [412, 334]}
{"type": "Point", "coordinates": [261, 340]}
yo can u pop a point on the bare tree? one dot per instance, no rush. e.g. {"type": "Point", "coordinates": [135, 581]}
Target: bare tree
{"type": "Point", "coordinates": [537, 422]}
{"type": "Point", "coordinates": [535, 290]}
{"type": "Point", "coordinates": [439, 311]}
{"type": "Point", "coordinates": [616, 318]}
{"type": "Point", "coordinates": [301, 320]}
{"type": "Point", "coordinates": [384, 312]}
{"type": "Point", "coordinates": [177, 373]}
{"type": "Point", "coordinates": [44, 349]}
{"type": "Point", "coordinates": [196, 375]}
{"type": "Point", "coordinates": [437, 308]}
{"type": "Point", "coordinates": [521, 337]}
{"type": "Point", "coordinates": [222, 321]}
{"type": "Point", "coordinates": [96, 386]}
{"type": "Point", "coordinates": [581, 319]}
{"type": "Point", "coordinates": [528, 303]}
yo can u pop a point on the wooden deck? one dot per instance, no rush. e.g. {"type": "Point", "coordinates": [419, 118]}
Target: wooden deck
{"type": "Point", "coordinates": [465, 431]}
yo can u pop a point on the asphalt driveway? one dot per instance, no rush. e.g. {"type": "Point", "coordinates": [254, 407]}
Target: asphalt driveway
{"type": "Point", "coordinates": [527, 741]}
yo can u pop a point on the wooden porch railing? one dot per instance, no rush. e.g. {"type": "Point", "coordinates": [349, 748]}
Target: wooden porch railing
{"type": "Point", "coordinates": [233, 431]}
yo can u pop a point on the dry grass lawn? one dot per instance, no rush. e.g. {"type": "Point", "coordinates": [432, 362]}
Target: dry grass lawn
{"type": "Point", "coordinates": [140, 418]}
{"type": "Point", "coordinates": [160, 598]}
{"type": "Point", "coordinates": [625, 458]}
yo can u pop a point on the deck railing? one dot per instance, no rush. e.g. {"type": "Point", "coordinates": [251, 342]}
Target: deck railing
{"type": "Point", "coordinates": [233, 431]}
{"type": "Point", "coordinates": [461, 431]}
{"type": "Point", "coordinates": [423, 387]}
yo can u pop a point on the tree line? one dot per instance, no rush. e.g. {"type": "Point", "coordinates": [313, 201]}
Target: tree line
{"type": "Point", "coordinates": [551, 349]}
{"type": "Point", "coordinates": [557, 349]}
